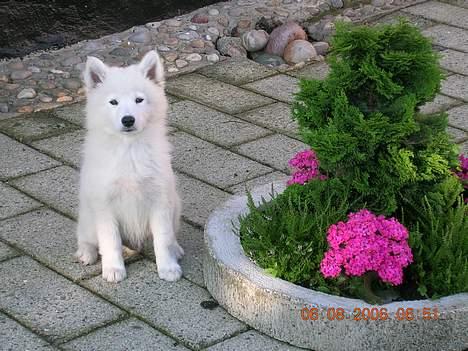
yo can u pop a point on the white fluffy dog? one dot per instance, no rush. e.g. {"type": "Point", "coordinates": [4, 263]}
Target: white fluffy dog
{"type": "Point", "coordinates": [127, 186]}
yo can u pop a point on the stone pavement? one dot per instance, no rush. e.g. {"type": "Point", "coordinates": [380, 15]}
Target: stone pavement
{"type": "Point", "coordinates": [231, 129]}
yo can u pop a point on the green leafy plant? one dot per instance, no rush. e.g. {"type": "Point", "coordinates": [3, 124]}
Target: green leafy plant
{"type": "Point", "coordinates": [375, 150]}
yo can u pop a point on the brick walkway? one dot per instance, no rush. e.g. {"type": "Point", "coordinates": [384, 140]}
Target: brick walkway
{"type": "Point", "coordinates": [231, 128]}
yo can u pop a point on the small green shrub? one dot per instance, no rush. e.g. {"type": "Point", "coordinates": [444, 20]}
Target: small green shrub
{"type": "Point", "coordinates": [378, 152]}
{"type": "Point", "coordinates": [362, 120]}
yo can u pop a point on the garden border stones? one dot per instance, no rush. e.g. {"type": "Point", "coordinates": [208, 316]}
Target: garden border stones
{"type": "Point", "coordinates": [273, 306]}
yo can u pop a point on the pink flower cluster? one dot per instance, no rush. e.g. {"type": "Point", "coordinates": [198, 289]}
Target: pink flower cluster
{"type": "Point", "coordinates": [463, 173]}
{"type": "Point", "coordinates": [367, 242]}
{"type": "Point", "coordinates": [306, 167]}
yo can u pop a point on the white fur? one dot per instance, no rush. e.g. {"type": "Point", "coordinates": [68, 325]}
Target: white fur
{"type": "Point", "coordinates": [127, 186]}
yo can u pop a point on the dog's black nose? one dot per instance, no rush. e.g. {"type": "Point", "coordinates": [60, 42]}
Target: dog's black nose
{"type": "Point", "coordinates": [128, 121]}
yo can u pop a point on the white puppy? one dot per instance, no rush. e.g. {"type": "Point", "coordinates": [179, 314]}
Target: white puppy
{"type": "Point", "coordinates": [127, 186]}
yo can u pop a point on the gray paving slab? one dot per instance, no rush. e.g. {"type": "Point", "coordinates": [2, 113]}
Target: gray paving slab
{"type": "Point", "coordinates": [393, 17]}
{"type": "Point", "coordinates": [216, 94]}
{"type": "Point", "coordinates": [212, 125]}
{"type": "Point", "coordinates": [276, 117]}
{"type": "Point", "coordinates": [191, 239]}
{"type": "Point", "coordinates": [439, 104]}
{"type": "Point", "coordinates": [456, 86]}
{"type": "Point", "coordinates": [448, 37]}
{"type": "Point", "coordinates": [50, 238]}
{"type": "Point", "coordinates": [17, 159]}
{"type": "Point", "coordinates": [252, 341]}
{"type": "Point", "coordinates": [242, 188]}
{"type": "Point", "coordinates": [198, 198]}
{"type": "Point", "coordinates": [440, 12]}
{"type": "Point", "coordinates": [458, 117]}
{"type": "Point", "coordinates": [317, 70]}
{"type": "Point", "coordinates": [15, 337]}
{"type": "Point", "coordinates": [14, 202]}
{"type": "Point", "coordinates": [74, 113]}
{"type": "Point", "coordinates": [173, 307]}
{"type": "Point", "coordinates": [281, 87]}
{"type": "Point", "coordinates": [35, 126]}
{"type": "Point", "coordinates": [6, 251]}
{"type": "Point", "coordinates": [455, 61]}
{"type": "Point", "coordinates": [126, 335]}
{"type": "Point", "coordinates": [237, 71]}
{"type": "Point", "coordinates": [458, 135]}
{"type": "Point", "coordinates": [66, 147]}
{"type": "Point", "coordinates": [57, 187]}
{"type": "Point", "coordinates": [211, 163]}
{"type": "Point", "coordinates": [49, 304]}
{"type": "Point", "coordinates": [275, 150]}
{"type": "Point", "coordinates": [464, 148]}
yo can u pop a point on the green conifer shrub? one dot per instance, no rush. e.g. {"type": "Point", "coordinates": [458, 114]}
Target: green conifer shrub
{"type": "Point", "coordinates": [377, 152]}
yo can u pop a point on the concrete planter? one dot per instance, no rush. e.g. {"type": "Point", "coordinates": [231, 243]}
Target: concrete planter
{"type": "Point", "coordinates": [273, 306]}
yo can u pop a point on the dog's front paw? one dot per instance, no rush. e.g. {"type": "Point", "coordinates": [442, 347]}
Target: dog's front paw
{"type": "Point", "coordinates": [87, 255]}
{"type": "Point", "coordinates": [113, 274]}
{"type": "Point", "coordinates": [170, 272]}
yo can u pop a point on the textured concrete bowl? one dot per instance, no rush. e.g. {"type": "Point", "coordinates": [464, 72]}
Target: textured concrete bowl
{"type": "Point", "coordinates": [273, 306]}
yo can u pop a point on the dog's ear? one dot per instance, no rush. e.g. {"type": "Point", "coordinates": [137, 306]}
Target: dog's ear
{"type": "Point", "coordinates": [152, 67]}
{"type": "Point", "coordinates": [95, 72]}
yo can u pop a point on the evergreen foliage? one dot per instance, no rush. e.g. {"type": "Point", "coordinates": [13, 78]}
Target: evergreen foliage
{"type": "Point", "coordinates": [377, 152]}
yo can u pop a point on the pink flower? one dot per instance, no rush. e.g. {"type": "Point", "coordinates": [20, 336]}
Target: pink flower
{"type": "Point", "coordinates": [463, 173]}
{"type": "Point", "coordinates": [306, 167]}
{"type": "Point", "coordinates": [367, 242]}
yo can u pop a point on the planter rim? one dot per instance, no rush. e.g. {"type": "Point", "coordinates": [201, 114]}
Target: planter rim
{"type": "Point", "coordinates": [225, 260]}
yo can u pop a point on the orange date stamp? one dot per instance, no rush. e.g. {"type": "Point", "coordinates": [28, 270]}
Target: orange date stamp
{"type": "Point", "coordinates": [369, 314]}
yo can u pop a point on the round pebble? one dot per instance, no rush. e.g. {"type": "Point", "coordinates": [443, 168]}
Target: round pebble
{"type": "Point", "coordinates": [254, 40]}
{"type": "Point", "coordinates": [172, 70]}
{"type": "Point", "coordinates": [194, 57]}
{"type": "Point", "coordinates": [45, 98]}
{"type": "Point", "coordinates": [173, 23]}
{"type": "Point", "coordinates": [213, 12]}
{"type": "Point", "coordinates": [198, 43]}
{"type": "Point", "coordinates": [214, 31]}
{"type": "Point", "coordinates": [140, 37]}
{"type": "Point", "coordinates": [321, 47]}
{"type": "Point", "coordinates": [171, 41]}
{"type": "Point", "coordinates": [171, 57]}
{"type": "Point", "coordinates": [299, 51]}
{"type": "Point", "coordinates": [212, 58]}
{"type": "Point", "coordinates": [27, 93]}
{"type": "Point", "coordinates": [200, 19]}
{"type": "Point", "coordinates": [34, 69]}
{"type": "Point", "coordinates": [19, 75]}
{"type": "Point", "coordinates": [337, 4]}
{"type": "Point", "coordinates": [231, 46]}
{"type": "Point", "coordinates": [64, 98]}
{"type": "Point", "coordinates": [181, 63]}
{"type": "Point", "coordinates": [25, 109]}
{"type": "Point", "coordinates": [72, 84]}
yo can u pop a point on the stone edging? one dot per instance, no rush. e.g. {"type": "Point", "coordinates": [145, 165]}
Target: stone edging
{"type": "Point", "coordinates": [273, 306]}
{"type": "Point", "coordinates": [46, 80]}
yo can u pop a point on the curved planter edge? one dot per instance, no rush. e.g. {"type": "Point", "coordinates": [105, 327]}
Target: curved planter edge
{"type": "Point", "coordinates": [273, 306]}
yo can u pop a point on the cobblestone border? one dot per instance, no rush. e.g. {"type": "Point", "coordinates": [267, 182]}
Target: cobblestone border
{"type": "Point", "coordinates": [45, 80]}
{"type": "Point", "coordinates": [273, 306]}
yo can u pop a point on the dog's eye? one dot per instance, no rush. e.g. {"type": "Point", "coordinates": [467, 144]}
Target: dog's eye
{"type": "Point", "coordinates": [113, 102]}
{"type": "Point", "coordinates": [138, 100]}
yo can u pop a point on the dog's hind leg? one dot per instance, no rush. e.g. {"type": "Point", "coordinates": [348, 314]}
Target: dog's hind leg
{"type": "Point", "coordinates": [110, 248]}
{"type": "Point", "coordinates": [166, 248]}
{"type": "Point", "coordinates": [87, 252]}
